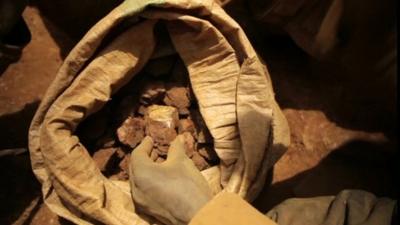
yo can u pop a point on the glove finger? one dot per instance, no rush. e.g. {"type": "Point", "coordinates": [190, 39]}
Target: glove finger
{"type": "Point", "coordinates": [141, 154]}
{"type": "Point", "coordinates": [177, 149]}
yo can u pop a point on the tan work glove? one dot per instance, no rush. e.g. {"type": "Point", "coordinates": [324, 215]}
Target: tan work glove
{"type": "Point", "coordinates": [171, 191]}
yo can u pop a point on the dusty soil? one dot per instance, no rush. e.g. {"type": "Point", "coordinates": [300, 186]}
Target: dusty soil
{"type": "Point", "coordinates": [339, 139]}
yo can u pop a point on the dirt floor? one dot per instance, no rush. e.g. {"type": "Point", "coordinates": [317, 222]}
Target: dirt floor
{"type": "Point", "coordinates": [338, 141]}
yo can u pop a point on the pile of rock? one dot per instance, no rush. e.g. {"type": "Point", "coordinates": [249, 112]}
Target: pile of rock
{"type": "Point", "coordinates": [160, 108]}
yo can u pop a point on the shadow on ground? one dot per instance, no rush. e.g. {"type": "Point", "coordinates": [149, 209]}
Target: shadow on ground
{"type": "Point", "coordinates": [302, 82]}
{"type": "Point", "coordinates": [15, 126]}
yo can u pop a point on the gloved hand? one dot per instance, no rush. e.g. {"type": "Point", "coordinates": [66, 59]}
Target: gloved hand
{"type": "Point", "coordinates": [172, 191]}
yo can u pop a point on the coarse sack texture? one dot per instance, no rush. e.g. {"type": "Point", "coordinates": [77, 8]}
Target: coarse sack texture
{"type": "Point", "coordinates": [231, 85]}
{"type": "Point", "coordinates": [351, 207]}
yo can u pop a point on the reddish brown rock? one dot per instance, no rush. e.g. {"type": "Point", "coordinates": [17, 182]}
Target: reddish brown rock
{"type": "Point", "coordinates": [208, 153]}
{"type": "Point", "coordinates": [166, 115]}
{"type": "Point", "coordinates": [160, 125]}
{"type": "Point", "coordinates": [142, 110]}
{"type": "Point", "coordinates": [120, 153]}
{"type": "Point", "coordinates": [105, 158]}
{"type": "Point", "coordinates": [131, 132]}
{"type": "Point", "coordinates": [161, 134]}
{"type": "Point", "coordinates": [199, 161]}
{"type": "Point", "coordinates": [186, 125]}
{"type": "Point", "coordinates": [184, 111]}
{"type": "Point", "coordinates": [178, 97]}
{"type": "Point", "coordinates": [152, 92]}
{"type": "Point", "coordinates": [189, 144]}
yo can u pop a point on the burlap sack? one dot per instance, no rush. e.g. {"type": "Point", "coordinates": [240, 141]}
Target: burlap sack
{"type": "Point", "coordinates": [231, 85]}
{"type": "Point", "coordinates": [349, 207]}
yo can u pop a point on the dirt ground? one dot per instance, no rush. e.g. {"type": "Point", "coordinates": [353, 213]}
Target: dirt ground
{"type": "Point", "coordinates": [337, 141]}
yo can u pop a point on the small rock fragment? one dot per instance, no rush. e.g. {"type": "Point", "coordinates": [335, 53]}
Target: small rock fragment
{"type": "Point", "coordinates": [161, 134]}
{"type": "Point", "coordinates": [120, 153]}
{"type": "Point", "coordinates": [105, 158]}
{"type": "Point", "coordinates": [166, 115]}
{"type": "Point", "coordinates": [178, 97]}
{"type": "Point", "coordinates": [152, 92]}
{"type": "Point", "coordinates": [142, 110]}
{"type": "Point", "coordinates": [189, 143]}
{"type": "Point", "coordinates": [186, 125]}
{"type": "Point", "coordinates": [160, 125]}
{"type": "Point", "coordinates": [131, 132]}
{"type": "Point", "coordinates": [184, 111]}
{"type": "Point", "coordinates": [199, 161]}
